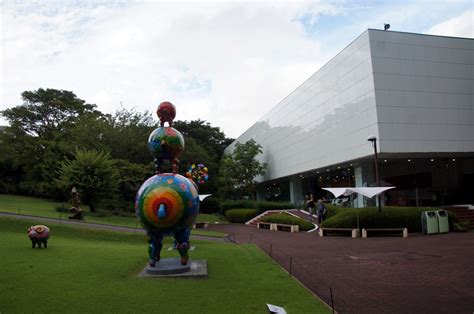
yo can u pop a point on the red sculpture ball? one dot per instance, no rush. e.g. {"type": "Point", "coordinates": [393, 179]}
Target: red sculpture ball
{"type": "Point", "coordinates": [166, 112]}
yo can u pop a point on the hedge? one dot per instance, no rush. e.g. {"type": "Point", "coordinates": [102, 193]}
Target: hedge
{"type": "Point", "coordinates": [284, 218]}
{"type": "Point", "coordinates": [261, 206]}
{"type": "Point", "coordinates": [210, 205]}
{"type": "Point", "coordinates": [390, 217]}
{"type": "Point", "coordinates": [240, 215]}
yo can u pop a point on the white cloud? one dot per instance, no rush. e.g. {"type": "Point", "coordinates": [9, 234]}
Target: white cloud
{"type": "Point", "coordinates": [458, 26]}
{"type": "Point", "coordinates": [224, 62]}
{"type": "Point", "coordinates": [227, 63]}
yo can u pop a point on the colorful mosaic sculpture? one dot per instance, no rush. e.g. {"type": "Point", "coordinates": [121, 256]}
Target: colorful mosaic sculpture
{"type": "Point", "coordinates": [198, 174]}
{"type": "Point", "coordinates": [38, 234]}
{"type": "Point", "coordinates": [167, 203]}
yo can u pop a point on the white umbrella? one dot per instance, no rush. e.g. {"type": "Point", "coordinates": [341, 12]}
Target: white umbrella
{"type": "Point", "coordinates": [368, 192]}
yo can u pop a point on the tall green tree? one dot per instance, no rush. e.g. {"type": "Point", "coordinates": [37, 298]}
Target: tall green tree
{"type": "Point", "coordinates": [93, 173]}
{"type": "Point", "coordinates": [238, 170]}
{"type": "Point", "coordinates": [212, 139]}
{"type": "Point", "coordinates": [38, 137]}
{"type": "Point", "coordinates": [46, 112]}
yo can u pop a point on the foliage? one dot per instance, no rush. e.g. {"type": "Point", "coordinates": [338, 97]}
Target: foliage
{"type": "Point", "coordinates": [205, 144]}
{"type": "Point", "coordinates": [233, 204]}
{"type": "Point", "coordinates": [284, 218]}
{"type": "Point", "coordinates": [45, 113]}
{"type": "Point", "coordinates": [92, 173]}
{"type": "Point", "coordinates": [37, 139]}
{"type": "Point", "coordinates": [51, 125]}
{"type": "Point", "coordinates": [212, 139]}
{"type": "Point", "coordinates": [210, 205]}
{"type": "Point", "coordinates": [238, 170]}
{"type": "Point", "coordinates": [390, 217]}
{"type": "Point", "coordinates": [261, 206]}
{"type": "Point", "coordinates": [460, 226]}
{"type": "Point", "coordinates": [240, 215]}
{"type": "Point", "coordinates": [211, 218]}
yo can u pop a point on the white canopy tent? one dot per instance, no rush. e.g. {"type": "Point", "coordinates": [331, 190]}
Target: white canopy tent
{"type": "Point", "coordinates": [368, 192]}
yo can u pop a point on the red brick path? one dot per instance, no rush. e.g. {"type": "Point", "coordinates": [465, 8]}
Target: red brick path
{"type": "Point", "coordinates": [418, 274]}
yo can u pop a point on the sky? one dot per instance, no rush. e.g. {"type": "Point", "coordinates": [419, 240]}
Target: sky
{"type": "Point", "coordinates": [225, 62]}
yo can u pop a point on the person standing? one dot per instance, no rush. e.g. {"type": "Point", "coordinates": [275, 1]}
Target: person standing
{"type": "Point", "coordinates": [321, 211]}
{"type": "Point", "coordinates": [310, 203]}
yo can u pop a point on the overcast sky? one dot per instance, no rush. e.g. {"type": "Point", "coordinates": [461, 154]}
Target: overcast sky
{"type": "Point", "coordinates": [224, 62]}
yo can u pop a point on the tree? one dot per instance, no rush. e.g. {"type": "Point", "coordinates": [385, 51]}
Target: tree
{"type": "Point", "coordinates": [212, 139]}
{"type": "Point", "coordinates": [238, 171]}
{"type": "Point", "coordinates": [46, 112]}
{"type": "Point", "coordinates": [38, 137]}
{"type": "Point", "coordinates": [92, 173]}
{"type": "Point", "coordinates": [128, 137]}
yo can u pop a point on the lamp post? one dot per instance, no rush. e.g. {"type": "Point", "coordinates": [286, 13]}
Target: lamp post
{"type": "Point", "coordinates": [373, 140]}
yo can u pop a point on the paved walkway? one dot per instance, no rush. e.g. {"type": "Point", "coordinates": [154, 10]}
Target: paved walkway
{"type": "Point", "coordinates": [418, 274]}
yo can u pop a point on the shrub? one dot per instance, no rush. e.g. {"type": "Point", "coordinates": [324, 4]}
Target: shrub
{"type": "Point", "coordinates": [460, 226]}
{"type": "Point", "coordinates": [284, 218]}
{"type": "Point", "coordinates": [264, 205]}
{"type": "Point", "coordinates": [390, 217]}
{"type": "Point", "coordinates": [210, 205]}
{"type": "Point", "coordinates": [261, 206]}
{"type": "Point", "coordinates": [240, 215]}
{"type": "Point", "coordinates": [235, 204]}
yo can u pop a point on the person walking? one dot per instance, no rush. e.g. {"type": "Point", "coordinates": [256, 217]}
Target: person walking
{"type": "Point", "coordinates": [321, 211]}
{"type": "Point", "coordinates": [310, 203]}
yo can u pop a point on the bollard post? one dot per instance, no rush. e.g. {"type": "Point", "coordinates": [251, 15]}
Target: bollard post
{"type": "Point", "coordinates": [332, 300]}
{"type": "Point", "coordinates": [291, 262]}
{"type": "Point", "coordinates": [271, 245]}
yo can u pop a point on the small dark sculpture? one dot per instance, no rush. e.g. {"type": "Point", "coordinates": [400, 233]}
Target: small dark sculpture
{"type": "Point", "coordinates": [75, 210]}
{"type": "Point", "coordinates": [38, 234]}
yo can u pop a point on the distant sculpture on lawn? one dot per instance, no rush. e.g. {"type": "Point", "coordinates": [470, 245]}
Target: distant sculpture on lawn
{"type": "Point", "coordinates": [75, 210]}
{"type": "Point", "coordinates": [38, 235]}
{"type": "Point", "coordinates": [167, 204]}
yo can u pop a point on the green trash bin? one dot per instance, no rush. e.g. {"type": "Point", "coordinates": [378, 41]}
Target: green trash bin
{"type": "Point", "coordinates": [443, 221]}
{"type": "Point", "coordinates": [429, 222]}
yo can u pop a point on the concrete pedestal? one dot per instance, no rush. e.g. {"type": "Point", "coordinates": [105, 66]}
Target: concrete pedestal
{"type": "Point", "coordinates": [171, 267]}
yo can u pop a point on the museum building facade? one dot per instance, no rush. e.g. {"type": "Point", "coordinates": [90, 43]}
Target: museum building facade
{"type": "Point", "coordinates": [412, 92]}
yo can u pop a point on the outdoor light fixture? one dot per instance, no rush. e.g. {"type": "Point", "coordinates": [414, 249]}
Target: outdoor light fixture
{"type": "Point", "coordinates": [373, 140]}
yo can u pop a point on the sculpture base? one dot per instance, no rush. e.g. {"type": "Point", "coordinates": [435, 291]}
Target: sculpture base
{"type": "Point", "coordinates": [171, 267]}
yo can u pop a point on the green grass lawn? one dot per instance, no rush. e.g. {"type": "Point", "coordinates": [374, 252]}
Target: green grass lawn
{"type": "Point", "coordinates": [95, 271]}
{"type": "Point", "coordinates": [25, 205]}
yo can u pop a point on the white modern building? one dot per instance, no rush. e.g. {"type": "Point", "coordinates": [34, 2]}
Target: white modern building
{"type": "Point", "coordinates": [413, 92]}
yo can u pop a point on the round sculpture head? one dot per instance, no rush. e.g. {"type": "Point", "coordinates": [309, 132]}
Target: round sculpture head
{"type": "Point", "coordinates": [38, 232]}
{"type": "Point", "coordinates": [167, 203]}
{"type": "Point", "coordinates": [165, 143]}
{"type": "Point", "coordinates": [166, 112]}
